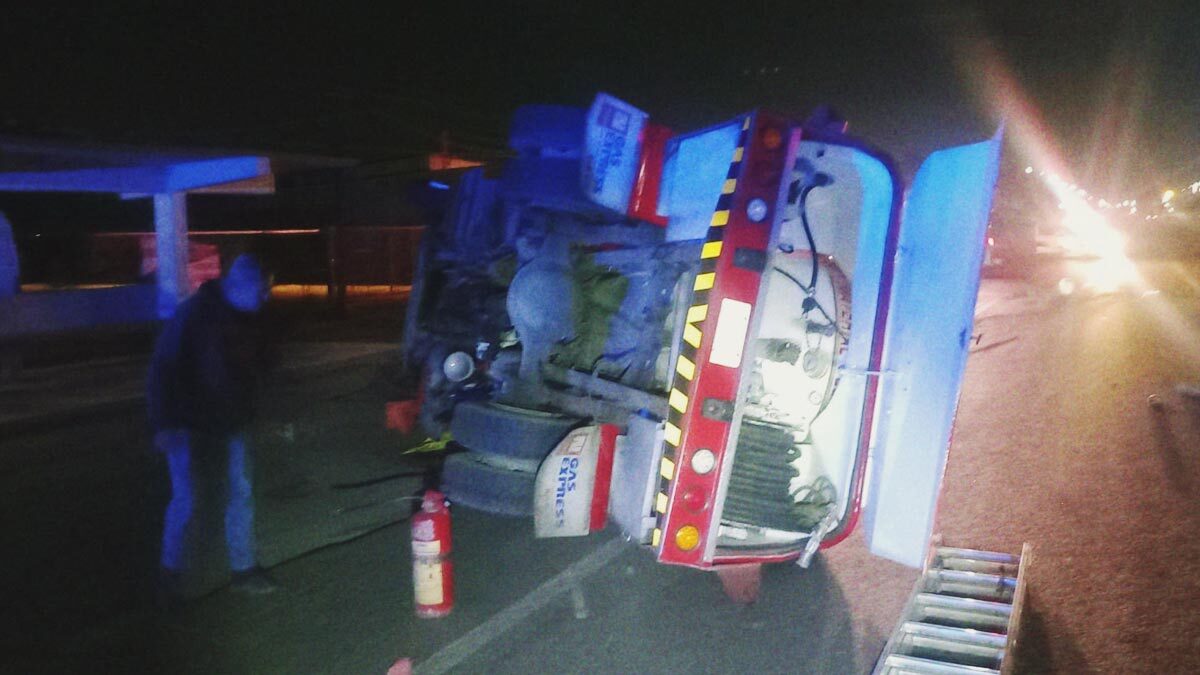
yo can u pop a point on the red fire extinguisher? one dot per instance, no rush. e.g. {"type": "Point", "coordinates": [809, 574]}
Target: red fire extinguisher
{"type": "Point", "coordinates": [433, 571]}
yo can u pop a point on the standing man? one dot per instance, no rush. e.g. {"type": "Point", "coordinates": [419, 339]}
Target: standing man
{"type": "Point", "coordinates": [10, 285]}
{"type": "Point", "coordinates": [203, 379]}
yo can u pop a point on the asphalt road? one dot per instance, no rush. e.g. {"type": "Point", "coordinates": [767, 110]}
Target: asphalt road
{"type": "Point", "coordinates": [82, 506]}
{"type": "Point", "coordinates": [1055, 444]}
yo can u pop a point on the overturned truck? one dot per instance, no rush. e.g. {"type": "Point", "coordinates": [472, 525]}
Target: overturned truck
{"type": "Point", "coordinates": [734, 343]}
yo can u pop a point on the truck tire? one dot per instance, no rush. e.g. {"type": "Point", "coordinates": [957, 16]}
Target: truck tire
{"type": "Point", "coordinates": [498, 429]}
{"type": "Point", "coordinates": [469, 481]}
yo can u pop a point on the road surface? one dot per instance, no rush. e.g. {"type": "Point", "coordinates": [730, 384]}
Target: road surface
{"type": "Point", "coordinates": [1055, 445]}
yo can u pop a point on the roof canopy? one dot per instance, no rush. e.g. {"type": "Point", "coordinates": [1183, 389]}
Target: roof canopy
{"type": "Point", "coordinates": [50, 166]}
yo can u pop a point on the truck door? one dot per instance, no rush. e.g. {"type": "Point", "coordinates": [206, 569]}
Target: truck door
{"type": "Point", "coordinates": [929, 326]}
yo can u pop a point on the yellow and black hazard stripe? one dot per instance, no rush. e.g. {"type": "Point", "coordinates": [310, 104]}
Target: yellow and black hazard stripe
{"type": "Point", "coordinates": [693, 332]}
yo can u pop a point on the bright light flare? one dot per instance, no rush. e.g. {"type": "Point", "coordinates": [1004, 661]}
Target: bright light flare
{"type": "Point", "coordinates": [1112, 273]}
{"type": "Point", "coordinates": [988, 73]}
{"type": "Point", "coordinates": [985, 70]}
{"type": "Point", "coordinates": [1090, 234]}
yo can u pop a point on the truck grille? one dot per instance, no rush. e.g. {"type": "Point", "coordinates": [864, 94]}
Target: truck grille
{"type": "Point", "coordinates": [762, 490]}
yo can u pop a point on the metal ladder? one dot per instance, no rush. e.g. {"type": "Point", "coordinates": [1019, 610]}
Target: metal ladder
{"type": "Point", "coordinates": [962, 617]}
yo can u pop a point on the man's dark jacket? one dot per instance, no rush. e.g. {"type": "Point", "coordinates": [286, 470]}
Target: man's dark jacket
{"type": "Point", "coordinates": [207, 365]}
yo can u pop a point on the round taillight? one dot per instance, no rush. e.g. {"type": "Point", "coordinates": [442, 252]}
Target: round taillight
{"type": "Point", "coordinates": [756, 210]}
{"type": "Point", "coordinates": [703, 461]}
{"type": "Point", "coordinates": [687, 538]}
{"type": "Point", "coordinates": [694, 500]}
{"type": "Point", "coordinates": [772, 138]}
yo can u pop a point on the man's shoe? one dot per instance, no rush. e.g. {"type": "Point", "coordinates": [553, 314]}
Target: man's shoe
{"type": "Point", "coordinates": [254, 581]}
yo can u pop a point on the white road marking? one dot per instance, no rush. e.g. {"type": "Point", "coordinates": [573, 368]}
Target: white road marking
{"type": "Point", "coordinates": [463, 648]}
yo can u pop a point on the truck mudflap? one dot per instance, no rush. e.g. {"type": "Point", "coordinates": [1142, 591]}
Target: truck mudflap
{"type": "Point", "coordinates": [572, 489]}
{"type": "Point", "coordinates": [929, 326]}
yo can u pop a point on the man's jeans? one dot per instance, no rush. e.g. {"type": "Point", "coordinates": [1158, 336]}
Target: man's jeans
{"type": "Point", "coordinates": [239, 511]}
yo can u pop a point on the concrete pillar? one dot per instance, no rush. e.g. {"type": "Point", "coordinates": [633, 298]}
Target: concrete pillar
{"type": "Point", "coordinates": [171, 243]}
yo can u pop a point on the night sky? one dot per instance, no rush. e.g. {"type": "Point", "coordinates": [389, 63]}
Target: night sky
{"type": "Point", "coordinates": [1115, 84]}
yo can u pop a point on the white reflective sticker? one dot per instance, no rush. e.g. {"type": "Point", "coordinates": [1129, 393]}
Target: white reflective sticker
{"type": "Point", "coordinates": [428, 582]}
{"type": "Point", "coordinates": [730, 337]}
{"type": "Point", "coordinates": [611, 151]}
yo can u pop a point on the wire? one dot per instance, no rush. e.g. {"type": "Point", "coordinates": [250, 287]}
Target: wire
{"type": "Point", "coordinates": [812, 245]}
{"type": "Point", "coordinates": [810, 293]}
{"type": "Point", "coordinates": [807, 290]}
{"type": "Point", "coordinates": [819, 180]}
